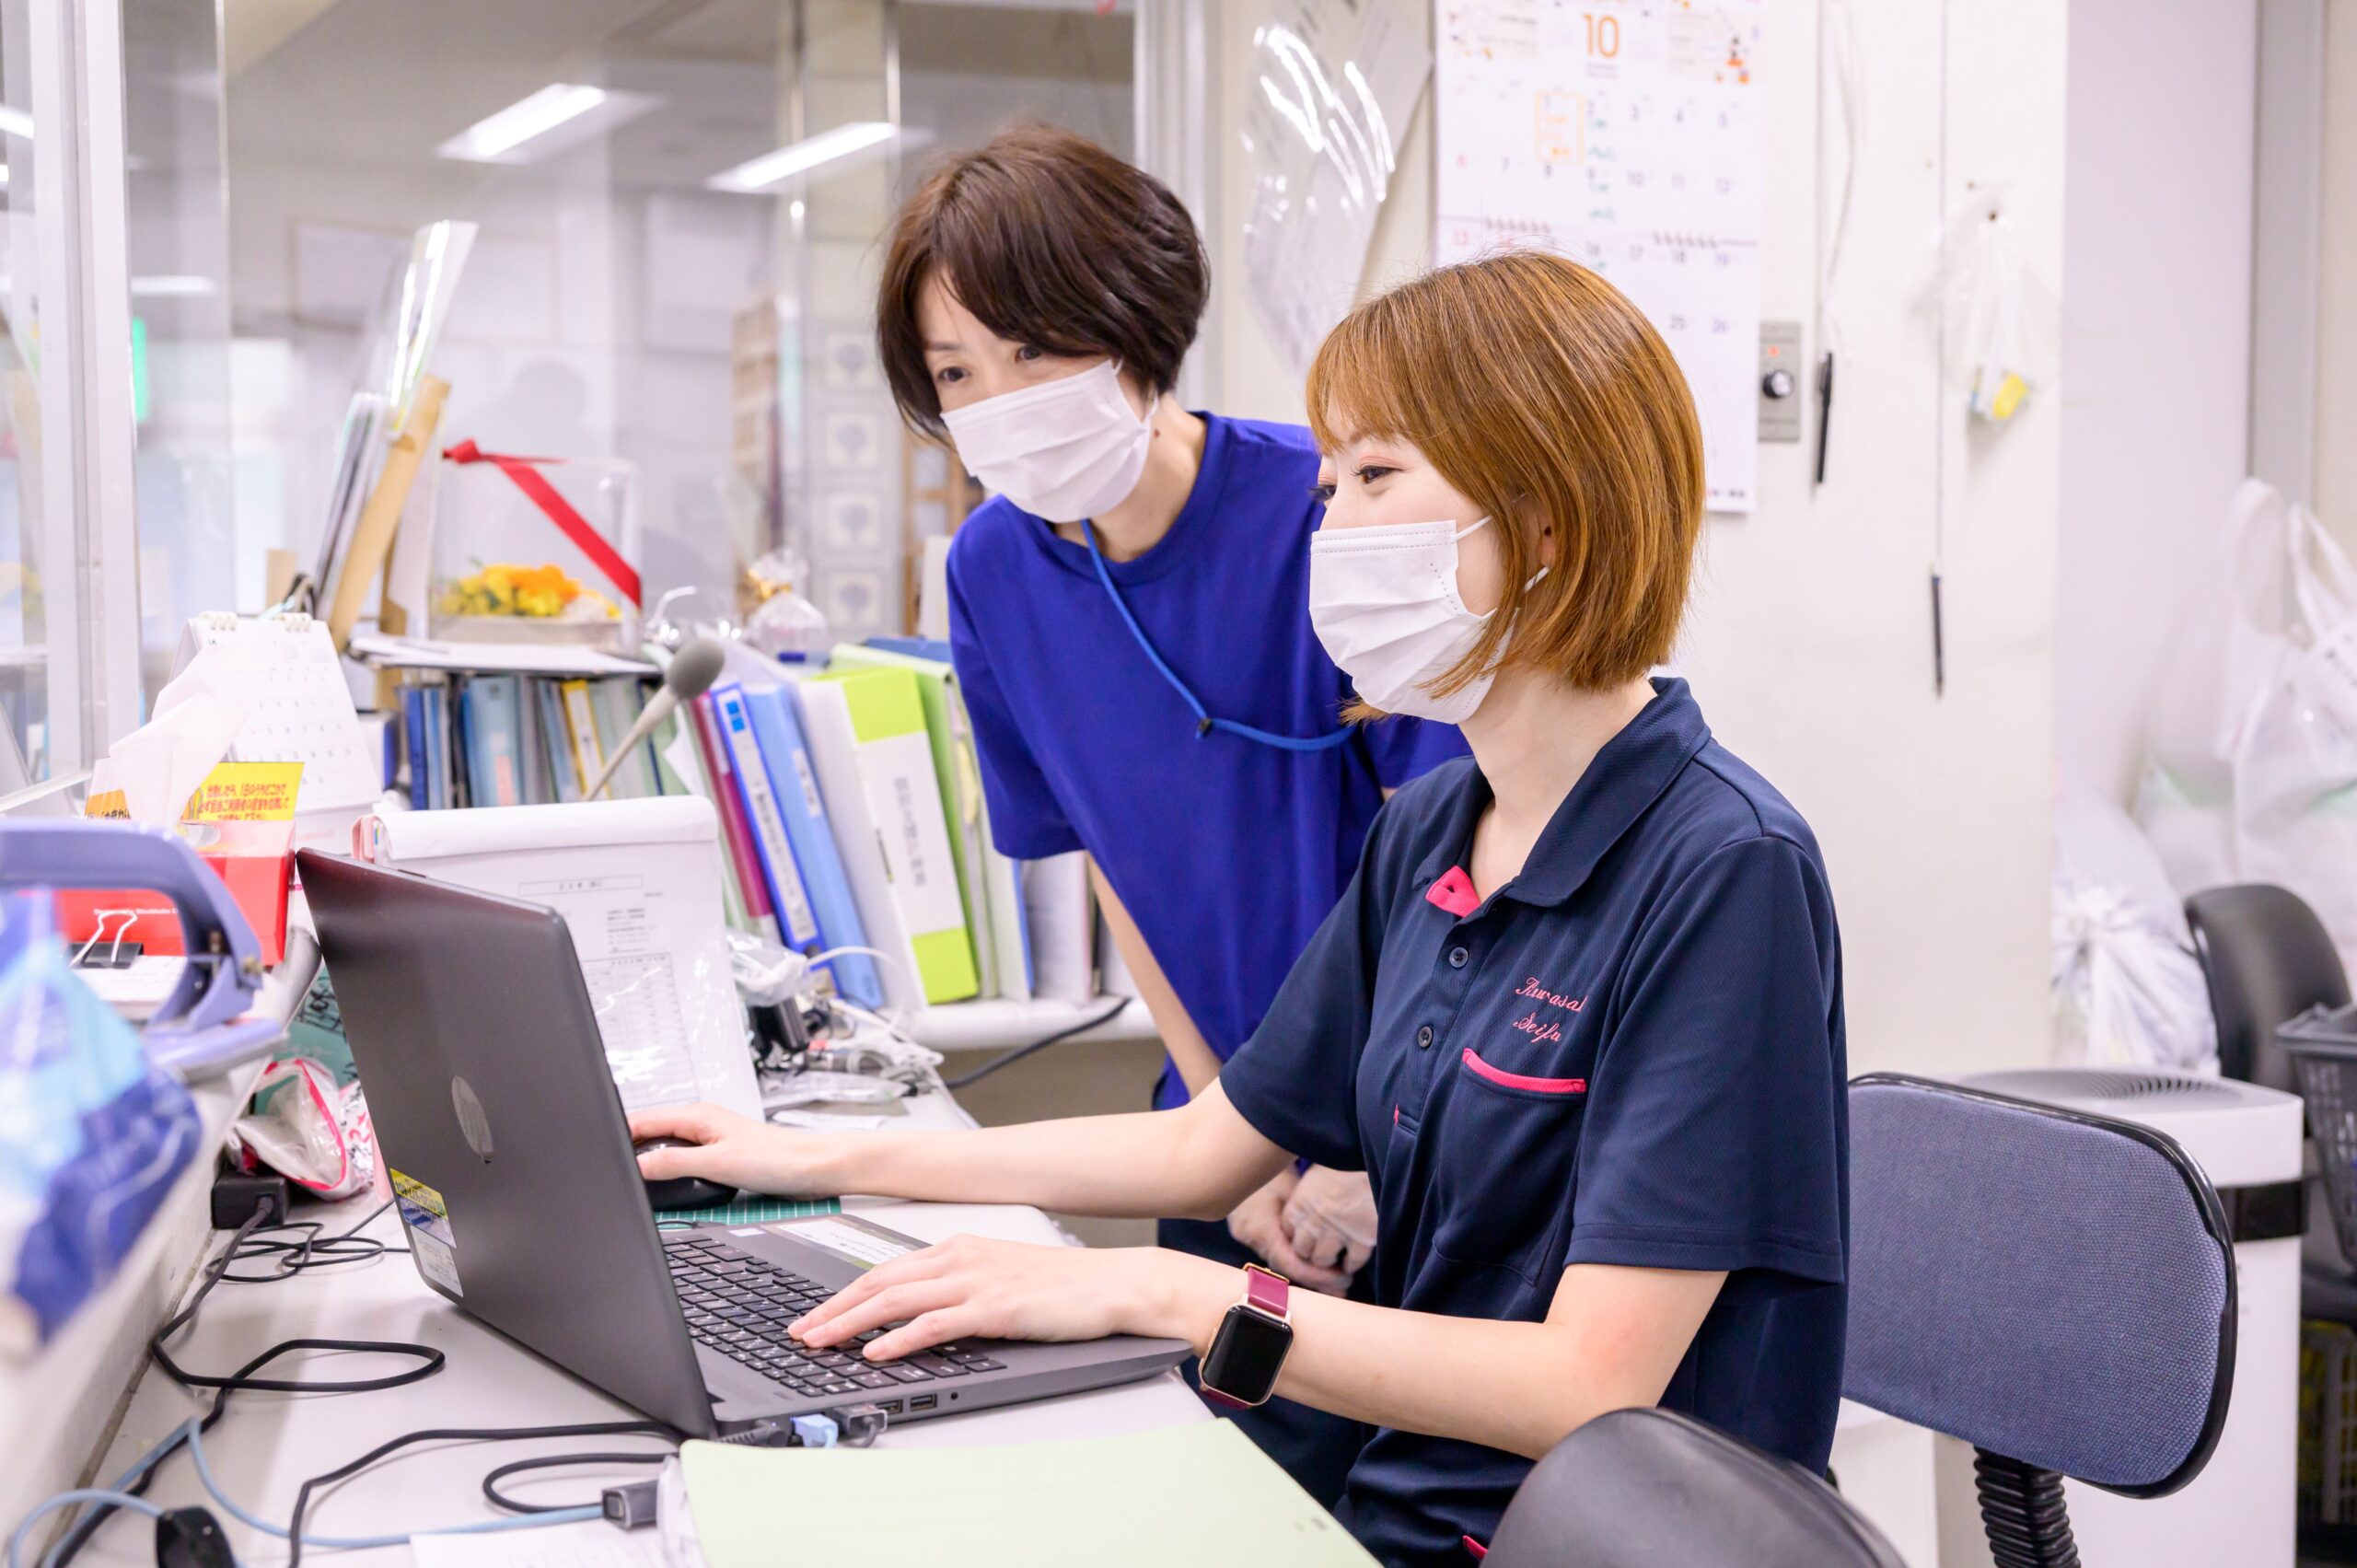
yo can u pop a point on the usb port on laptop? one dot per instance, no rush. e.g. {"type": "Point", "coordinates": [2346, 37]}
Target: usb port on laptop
{"type": "Point", "coordinates": [924, 1401]}
{"type": "Point", "coordinates": [889, 1407]}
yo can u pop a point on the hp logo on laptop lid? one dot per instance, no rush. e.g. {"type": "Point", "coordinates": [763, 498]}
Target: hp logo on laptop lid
{"type": "Point", "coordinates": [472, 1123]}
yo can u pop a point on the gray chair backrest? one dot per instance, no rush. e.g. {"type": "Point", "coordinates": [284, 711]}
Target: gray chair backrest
{"type": "Point", "coordinates": [2054, 1287]}
{"type": "Point", "coordinates": [1649, 1489]}
{"type": "Point", "coordinates": [2267, 959]}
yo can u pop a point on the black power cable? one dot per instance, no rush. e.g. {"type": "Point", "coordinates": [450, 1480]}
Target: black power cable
{"type": "Point", "coordinates": [457, 1435]}
{"type": "Point", "coordinates": [549, 1462]}
{"type": "Point", "coordinates": [294, 1258]}
{"type": "Point", "coordinates": [1009, 1058]}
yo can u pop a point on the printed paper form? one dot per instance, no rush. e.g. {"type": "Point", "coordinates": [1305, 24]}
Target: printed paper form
{"type": "Point", "coordinates": [638, 884]}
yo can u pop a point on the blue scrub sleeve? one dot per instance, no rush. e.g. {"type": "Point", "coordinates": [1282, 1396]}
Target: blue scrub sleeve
{"type": "Point", "coordinates": [1712, 1137]}
{"type": "Point", "coordinates": [1404, 749]}
{"type": "Point", "coordinates": [1295, 1080]}
{"type": "Point", "coordinates": [1026, 820]}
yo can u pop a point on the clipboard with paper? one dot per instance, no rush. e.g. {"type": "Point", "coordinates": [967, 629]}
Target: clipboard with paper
{"type": "Point", "coordinates": [638, 884]}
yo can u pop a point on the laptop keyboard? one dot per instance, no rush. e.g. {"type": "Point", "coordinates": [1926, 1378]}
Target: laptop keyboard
{"type": "Point", "coordinates": [740, 1305]}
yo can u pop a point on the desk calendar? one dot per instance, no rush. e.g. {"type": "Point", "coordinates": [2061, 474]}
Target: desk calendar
{"type": "Point", "coordinates": [1625, 134]}
{"type": "Point", "coordinates": [287, 669]}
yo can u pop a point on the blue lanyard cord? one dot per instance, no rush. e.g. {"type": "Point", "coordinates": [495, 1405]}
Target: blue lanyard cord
{"type": "Point", "coordinates": [1204, 723]}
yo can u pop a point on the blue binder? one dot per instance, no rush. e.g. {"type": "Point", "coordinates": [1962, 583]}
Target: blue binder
{"type": "Point", "coordinates": [778, 730]}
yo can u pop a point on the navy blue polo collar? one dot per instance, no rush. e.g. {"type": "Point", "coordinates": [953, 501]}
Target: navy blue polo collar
{"type": "Point", "coordinates": [1625, 777]}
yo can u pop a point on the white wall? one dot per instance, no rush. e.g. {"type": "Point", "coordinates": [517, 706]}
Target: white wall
{"type": "Point", "coordinates": [1809, 646]}
{"type": "Point", "coordinates": [2157, 312]}
{"type": "Point", "coordinates": [2336, 481]}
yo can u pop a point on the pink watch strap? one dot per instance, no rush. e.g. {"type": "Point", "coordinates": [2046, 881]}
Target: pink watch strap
{"type": "Point", "coordinates": [1268, 1292]}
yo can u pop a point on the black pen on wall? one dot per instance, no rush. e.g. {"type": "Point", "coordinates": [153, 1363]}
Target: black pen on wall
{"type": "Point", "coordinates": [1939, 647]}
{"type": "Point", "coordinates": [1824, 409]}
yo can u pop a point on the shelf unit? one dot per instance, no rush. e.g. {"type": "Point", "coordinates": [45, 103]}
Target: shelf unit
{"type": "Point", "coordinates": [1000, 1025]}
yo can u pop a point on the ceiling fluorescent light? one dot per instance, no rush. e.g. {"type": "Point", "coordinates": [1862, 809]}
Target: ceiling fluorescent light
{"type": "Point", "coordinates": [490, 139]}
{"type": "Point", "coordinates": [773, 169]}
{"type": "Point", "coordinates": [15, 122]}
{"type": "Point", "coordinates": [172, 285]}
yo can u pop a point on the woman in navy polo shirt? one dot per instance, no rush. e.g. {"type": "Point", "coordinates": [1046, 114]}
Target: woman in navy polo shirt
{"type": "Point", "coordinates": [1578, 1014]}
{"type": "Point", "coordinates": [1129, 616]}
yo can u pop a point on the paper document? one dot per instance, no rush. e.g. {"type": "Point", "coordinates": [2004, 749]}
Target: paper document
{"type": "Point", "coordinates": [528, 658]}
{"type": "Point", "coordinates": [638, 883]}
{"type": "Point", "coordinates": [287, 675]}
{"type": "Point", "coordinates": [587, 1543]}
{"type": "Point", "coordinates": [1099, 1500]}
{"type": "Point", "coordinates": [138, 989]}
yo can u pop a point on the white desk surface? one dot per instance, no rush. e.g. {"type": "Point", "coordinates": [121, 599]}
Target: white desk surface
{"type": "Point", "coordinates": [268, 1443]}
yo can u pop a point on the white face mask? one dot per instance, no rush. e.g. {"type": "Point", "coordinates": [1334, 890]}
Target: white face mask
{"type": "Point", "coordinates": [1065, 450]}
{"type": "Point", "coordinates": [1383, 601]}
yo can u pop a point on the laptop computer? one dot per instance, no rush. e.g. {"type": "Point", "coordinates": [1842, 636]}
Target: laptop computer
{"type": "Point", "coordinates": [510, 1159]}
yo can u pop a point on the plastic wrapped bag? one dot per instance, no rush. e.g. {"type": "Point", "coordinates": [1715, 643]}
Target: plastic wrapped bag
{"type": "Point", "coordinates": [302, 1125]}
{"type": "Point", "coordinates": [2252, 768]}
{"type": "Point", "coordinates": [2127, 987]}
{"type": "Point", "coordinates": [2124, 993]}
{"type": "Point", "coordinates": [92, 1136]}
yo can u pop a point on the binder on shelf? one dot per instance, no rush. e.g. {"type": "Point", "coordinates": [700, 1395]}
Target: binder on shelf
{"type": "Point", "coordinates": [794, 784]}
{"type": "Point", "coordinates": [867, 739]}
{"type": "Point", "coordinates": [413, 742]}
{"type": "Point", "coordinates": [736, 837]}
{"type": "Point", "coordinates": [556, 743]}
{"type": "Point", "coordinates": [765, 824]}
{"type": "Point", "coordinates": [438, 793]}
{"type": "Point", "coordinates": [489, 712]}
{"type": "Point", "coordinates": [685, 763]}
{"type": "Point", "coordinates": [986, 879]}
{"type": "Point", "coordinates": [1010, 926]}
{"type": "Point", "coordinates": [617, 699]}
{"type": "Point", "coordinates": [537, 781]}
{"type": "Point", "coordinates": [1062, 911]}
{"type": "Point", "coordinates": [581, 731]}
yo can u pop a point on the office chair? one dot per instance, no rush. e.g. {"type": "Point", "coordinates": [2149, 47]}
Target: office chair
{"type": "Point", "coordinates": [1643, 1488]}
{"type": "Point", "coordinates": [2267, 959]}
{"type": "Point", "coordinates": [2055, 1288]}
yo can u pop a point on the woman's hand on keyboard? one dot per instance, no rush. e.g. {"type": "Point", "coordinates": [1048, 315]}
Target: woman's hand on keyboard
{"type": "Point", "coordinates": [732, 1150]}
{"type": "Point", "coordinates": [970, 1288]}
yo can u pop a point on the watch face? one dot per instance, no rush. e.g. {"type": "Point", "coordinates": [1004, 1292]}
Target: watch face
{"type": "Point", "coordinates": [1247, 1355]}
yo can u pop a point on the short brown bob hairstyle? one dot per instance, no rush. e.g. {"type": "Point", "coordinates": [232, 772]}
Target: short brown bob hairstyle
{"type": "Point", "coordinates": [1547, 400]}
{"type": "Point", "coordinates": [1050, 241]}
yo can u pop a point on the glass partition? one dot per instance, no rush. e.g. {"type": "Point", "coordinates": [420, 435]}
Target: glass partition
{"type": "Point", "coordinates": [178, 243]}
{"type": "Point", "coordinates": [41, 626]}
{"type": "Point", "coordinates": [678, 209]}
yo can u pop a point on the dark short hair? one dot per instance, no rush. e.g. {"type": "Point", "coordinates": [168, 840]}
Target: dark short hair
{"type": "Point", "coordinates": [1051, 241]}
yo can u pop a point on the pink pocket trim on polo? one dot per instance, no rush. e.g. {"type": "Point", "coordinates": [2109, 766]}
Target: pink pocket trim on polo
{"type": "Point", "coordinates": [1504, 1079]}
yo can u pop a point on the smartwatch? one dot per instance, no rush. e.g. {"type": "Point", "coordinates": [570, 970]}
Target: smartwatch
{"type": "Point", "coordinates": [1240, 1369]}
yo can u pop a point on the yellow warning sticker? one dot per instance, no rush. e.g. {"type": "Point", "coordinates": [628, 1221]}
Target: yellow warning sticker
{"type": "Point", "coordinates": [431, 1241]}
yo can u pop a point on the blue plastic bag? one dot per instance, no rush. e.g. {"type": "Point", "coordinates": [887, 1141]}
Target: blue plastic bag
{"type": "Point", "coordinates": [91, 1136]}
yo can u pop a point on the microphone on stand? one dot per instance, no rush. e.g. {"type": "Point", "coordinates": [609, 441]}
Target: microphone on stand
{"type": "Point", "coordinates": [693, 669]}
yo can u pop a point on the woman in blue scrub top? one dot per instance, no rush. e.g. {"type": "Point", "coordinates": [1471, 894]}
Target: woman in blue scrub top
{"type": "Point", "coordinates": [1129, 617]}
{"type": "Point", "coordinates": [1578, 1013]}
